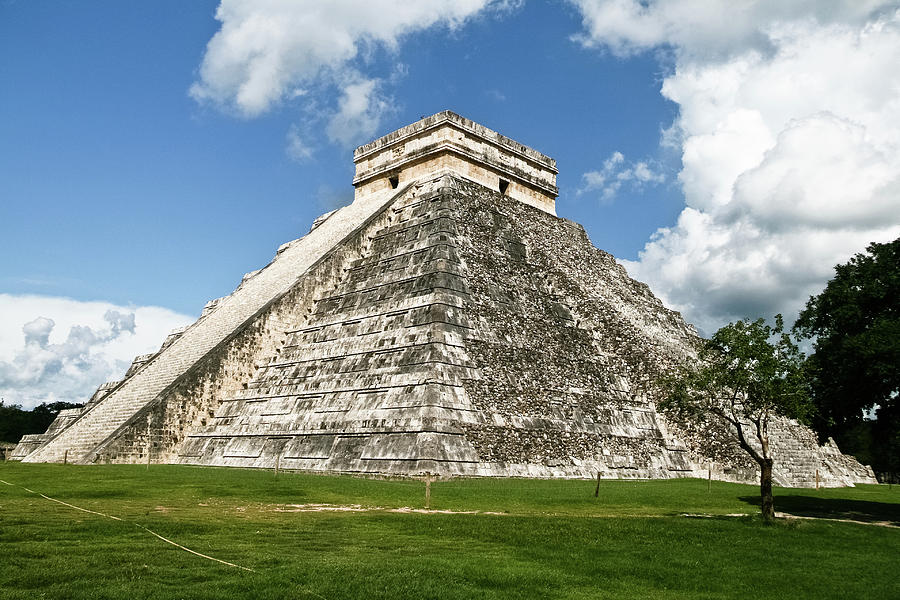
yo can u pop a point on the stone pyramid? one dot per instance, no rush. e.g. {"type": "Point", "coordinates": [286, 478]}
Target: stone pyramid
{"type": "Point", "coordinates": [445, 322]}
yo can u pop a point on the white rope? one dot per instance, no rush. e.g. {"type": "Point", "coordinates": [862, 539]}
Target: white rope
{"type": "Point", "coordinates": [73, 506]}
{"type": "Point", "coordinates": [224, 562]}
{"type": "Point", "coordinates": [168, 541]}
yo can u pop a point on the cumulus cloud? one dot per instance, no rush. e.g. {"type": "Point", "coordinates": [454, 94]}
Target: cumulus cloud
{"type": "Point", "coordinates": [296, 147]}
{"type": "Point", "coordinates": [269, 51]}
{"type": "Point", "coordinates": [707, 28]}
{"type": "Point", "coordinates": [616, 172]}
{"type": "Point", "coordinates": [360, 109]}
{"type": "Point", "coordinates": [58, 349]}
{"type": "Point", "coordinates": [789, 130]}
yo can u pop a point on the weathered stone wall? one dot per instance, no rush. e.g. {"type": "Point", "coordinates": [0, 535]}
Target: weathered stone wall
{"type": "Point", "coordinates": [555, 395]}
{"type": "Point", "coordinates": [124, 402]}
{"type": "Point", "coordinates": [368, 379]}
{"type": "Point", "coordinates": [460, 332]}
{"type": "Point", "coordinates": [447, 141]}
{"type": "Point", "coordinates": [569, 348]}
{"type": "Point", "coordinates": [28, 444]}
{"type": "Point", "coordinates": [406, 367]}
{"type": "Point", "coordinates": [444, 327]}
{"type": "Point", "coordinates": [191, 403]}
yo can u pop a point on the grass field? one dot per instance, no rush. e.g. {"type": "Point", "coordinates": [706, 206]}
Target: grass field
{"type": "Point", "coordinates": [507, 538]}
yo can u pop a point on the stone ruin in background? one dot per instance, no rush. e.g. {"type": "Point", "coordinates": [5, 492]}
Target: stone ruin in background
{"type": "Point", "coordinates": [445, 322]}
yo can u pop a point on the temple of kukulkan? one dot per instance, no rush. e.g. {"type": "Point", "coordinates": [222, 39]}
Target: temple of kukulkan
{"type": "Point", "coordinates": [446, 322]}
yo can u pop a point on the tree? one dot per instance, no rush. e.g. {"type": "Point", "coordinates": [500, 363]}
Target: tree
{"type": "Point", "coordinates": [15, 422]}
{"type": "Point", "coordinates": [855, 365]}
{"type": "Point", "coordinates": [748, 374]}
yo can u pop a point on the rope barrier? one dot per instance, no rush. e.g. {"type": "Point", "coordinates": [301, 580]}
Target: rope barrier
{"type": "Point", "coordinates": [168, 541]}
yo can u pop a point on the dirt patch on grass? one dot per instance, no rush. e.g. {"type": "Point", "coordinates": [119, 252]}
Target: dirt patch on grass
{"type": "Point", "coordinates": [361, 508]}
{"type": "Point", "coordinates": [889, 524]}
{"type": "Point", "coordinates": [789, 516]}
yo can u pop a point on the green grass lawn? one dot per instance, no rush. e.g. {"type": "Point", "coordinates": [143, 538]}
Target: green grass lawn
{"type": "Point", "coordinates": [550, 539]}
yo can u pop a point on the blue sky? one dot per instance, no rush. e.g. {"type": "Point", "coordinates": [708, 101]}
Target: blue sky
{"type": "Point", "coordinates": [127, 190]}
{"type": "Point", "coordinates": [151, 153]}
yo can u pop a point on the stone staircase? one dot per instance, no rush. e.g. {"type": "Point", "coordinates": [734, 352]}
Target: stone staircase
{"type": "Point", "coordinates": [162, 370]}
{"type": "Point", "coordinates": [801, 462]}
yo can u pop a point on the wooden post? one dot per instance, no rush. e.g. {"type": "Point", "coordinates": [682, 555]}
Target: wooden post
{"type": "Point", "coordinates": [427, 490]}
{"type": "Point", "coordinates": [709, 478]}
{"type": "Point", "coordinates": [277, 460]}
{"type": "Point", "coordinates": [66, 457]}
{"type": "Point", "coordinates": [597, 489]}
{"type": "Point", "coordinates": [817, 479]}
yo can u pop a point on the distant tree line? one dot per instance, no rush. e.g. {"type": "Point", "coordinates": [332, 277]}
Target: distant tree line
{"type": "Point", "coordinates": [16, 422]}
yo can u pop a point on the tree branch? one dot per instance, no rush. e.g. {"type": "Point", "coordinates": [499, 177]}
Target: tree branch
{"type": "Point", "coordinates": [721, 413]}
{"type": "Point", "coordinates": [747, 447]}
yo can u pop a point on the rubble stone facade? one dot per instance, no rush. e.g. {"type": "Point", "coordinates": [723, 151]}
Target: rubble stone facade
{"type": "Point", "coordinates": [446, 322]}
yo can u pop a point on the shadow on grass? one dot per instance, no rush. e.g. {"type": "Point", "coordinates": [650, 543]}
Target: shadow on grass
{"type": "Point", "coordinates": [834, 508]}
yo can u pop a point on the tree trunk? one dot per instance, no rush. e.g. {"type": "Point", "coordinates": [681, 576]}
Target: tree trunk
{"type": "Point", "coordinates": [765, 489]}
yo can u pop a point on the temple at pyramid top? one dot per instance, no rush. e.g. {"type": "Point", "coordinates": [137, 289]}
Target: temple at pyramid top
{"type": "Point", "coordinates": [447, 142]}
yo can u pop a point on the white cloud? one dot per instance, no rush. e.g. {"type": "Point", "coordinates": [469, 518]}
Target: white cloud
{"type": "Point", "coordinates": [267, 51]}
{"type": "Point", "coordinates": [615, 173]}
{"type": "Point", "coordinates": [296, 147]}
{"type": "Point", "coordinates": [360, 109]}
{"type": "Point", "coordinates": [59, 349]}
{"type": "Point", "coordinates": [789, 127]}
{"type": "Point", "coordinates": [707, 28]}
